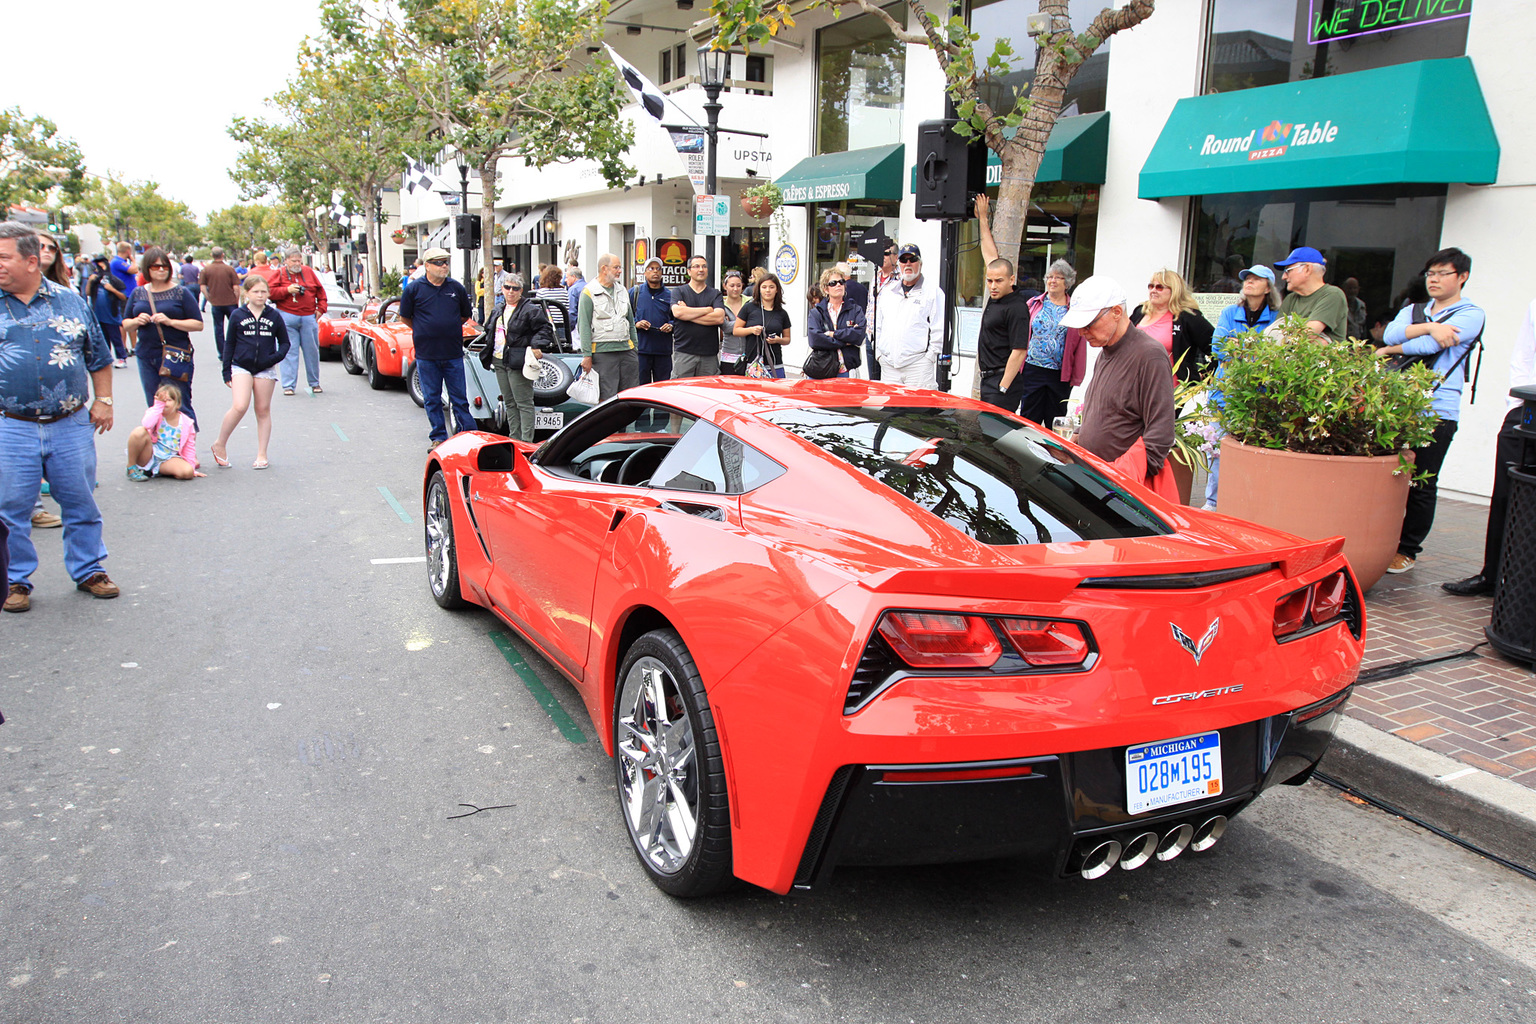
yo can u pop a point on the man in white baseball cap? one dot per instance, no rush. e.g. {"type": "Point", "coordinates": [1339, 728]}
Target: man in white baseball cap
{"type": "Point", "coordinates": [1129, 400]}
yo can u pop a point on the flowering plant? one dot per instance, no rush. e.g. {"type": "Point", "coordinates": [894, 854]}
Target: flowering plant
{"type": "Point", "coordinates": [398, 235]}
{"type": "Point", "coordinates": [1287, 389]}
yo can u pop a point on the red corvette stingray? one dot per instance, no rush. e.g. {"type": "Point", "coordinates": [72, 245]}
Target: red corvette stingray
{"type": "Point", "coordinates": [840, 622]}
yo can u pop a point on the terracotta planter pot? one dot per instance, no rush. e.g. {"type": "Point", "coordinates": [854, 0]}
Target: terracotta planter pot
{"type": "Point", "coordinates": [1183, 477]}
{"type": "Point", "coordinates": [1320, 496]}
{"type": "Point", "coordinates": [757, 206]}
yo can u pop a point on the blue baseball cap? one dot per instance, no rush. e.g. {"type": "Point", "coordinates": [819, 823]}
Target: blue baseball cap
{"type": "Point", "coordinates": [1304, 254]}
{"type": "Point", "coordinates": [1257, 270]}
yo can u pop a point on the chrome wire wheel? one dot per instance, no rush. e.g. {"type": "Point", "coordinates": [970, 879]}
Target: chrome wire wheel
{"type": "Point", "coordinates": [442, 569]}
{"type": "Point", "coordinates": [658, 766]}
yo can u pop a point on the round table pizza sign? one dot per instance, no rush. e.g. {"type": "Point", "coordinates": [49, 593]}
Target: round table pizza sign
{"type": "Point", "coordinates": [786, 263]}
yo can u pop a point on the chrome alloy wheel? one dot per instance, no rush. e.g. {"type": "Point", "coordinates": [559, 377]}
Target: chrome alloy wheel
{"type": "Point", "coordinates": [439, 538]}
{"type": "Point", "coordinates": [658, 767]}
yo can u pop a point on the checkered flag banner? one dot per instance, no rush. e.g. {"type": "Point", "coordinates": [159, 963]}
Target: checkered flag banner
{"type": "Point", "coordinates": [646, 94]}
{"type": "Point", "coordinates": [417, 176]}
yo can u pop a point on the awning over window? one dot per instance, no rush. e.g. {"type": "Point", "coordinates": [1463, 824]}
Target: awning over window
{"type": "Point", "coordinates": [1419, 122]}
{"type": "Point", "coordinates": [873, 173]}
{"type": "Point", "coordinates": [1076, 151]}
{"type": "Point", "coordinates": [525, 226]}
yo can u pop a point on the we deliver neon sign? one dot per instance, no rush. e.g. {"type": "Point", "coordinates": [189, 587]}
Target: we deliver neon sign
{"type": "Point", "coordinates": [1346, 19]}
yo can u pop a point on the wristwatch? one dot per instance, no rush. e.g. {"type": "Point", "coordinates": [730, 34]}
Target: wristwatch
{"type": "Point", "coordinates": [105, 400]}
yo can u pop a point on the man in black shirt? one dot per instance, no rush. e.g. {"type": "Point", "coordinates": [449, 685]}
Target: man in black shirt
{"type": "Point", "coordinates": [1003, 340]}
{"type": "Point", "coordinates": [435, 308]}
{"type": "Point", "coordinates": [698, 310]}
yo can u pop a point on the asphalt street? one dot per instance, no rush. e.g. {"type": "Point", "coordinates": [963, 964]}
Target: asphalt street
{"type": "Point", "coordinates": [229, 795]}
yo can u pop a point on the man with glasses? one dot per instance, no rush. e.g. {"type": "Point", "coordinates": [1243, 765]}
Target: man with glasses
{"type": "Point", "coordinates": [698, 310]}
{"type": "Point", "coordinates": [1321, 305]}
{"type": "Point", "coordinates": [1442, 333]}
{"type": "Point", "coordinates": [1129, 399]}
{"type": "Point", "coordinates": [910, 332]}
{"type": "Point", "coordinates": [652, 303]}
{"type": "Point", "coordinates": [300, 299]}
{"type": "Point", "coordinates": [435, 308]}
{"type": "Point", "coordinates": [605, 323]}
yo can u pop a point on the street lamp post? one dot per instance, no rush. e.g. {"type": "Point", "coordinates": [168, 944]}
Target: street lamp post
{"type": "Point", "coordinates": [464, 210]}
{"type": "Point", "coordinates": [378, 243]}
{"type": "Point", "coordinates": [712, 68]}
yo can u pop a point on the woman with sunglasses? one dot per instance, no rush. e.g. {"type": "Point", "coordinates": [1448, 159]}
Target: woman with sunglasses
{"type": "Point", "coordinates": [159, 313]}
{"type": "Point", "coordinates": [1172, 316]}
{"type": "Point", "coordinates": [522, 325]}
{"type": "Point", "coordinates": [835, 325]}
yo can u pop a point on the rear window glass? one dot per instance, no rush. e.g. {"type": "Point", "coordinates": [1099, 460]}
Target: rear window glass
{"type": "Point", "coordinates": [982, 473]}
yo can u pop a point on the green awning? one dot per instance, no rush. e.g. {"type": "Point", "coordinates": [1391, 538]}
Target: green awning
{"type": "Point", "coordinates": [1419, 122]}
{"type": "Point", "coordinates": [873, 173]}
{"type": "Point", "coordinates": [1076, 151]}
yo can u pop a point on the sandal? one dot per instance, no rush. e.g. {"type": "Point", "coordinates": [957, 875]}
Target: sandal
{"type": "Point", "coordinates": [222, 460]}
{"type": "Point", "coordinates": [287, 391]}
{"type": "Point", "coordinates": [260, 464]}
{"type": "Point", "coordinates": [317, 390]}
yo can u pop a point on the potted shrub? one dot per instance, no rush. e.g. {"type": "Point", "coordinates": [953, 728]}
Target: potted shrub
{"type": "Point", "coordinates": [1317, 439]}
{"type": "Point", "coordinates": [764, 201]}
{"type": "Point", "coordinates": [398, 235]}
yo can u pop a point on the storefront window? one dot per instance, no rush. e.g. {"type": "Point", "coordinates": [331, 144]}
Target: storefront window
{"type": "Point", "coordinates": [1004, 19]}
{"type": "Point", "coordinates": [860, 73]}
{"type": "Point", "coordinates": [744, 249]}
{"type": "Point", "coordinates": [1063, 222]}
{"type": "Point", "coordinates": [1266, 42]}
{"type": "Point", "coordinates": [831, 225]}
{"type": "Point", "coordinates": [1377, 237]}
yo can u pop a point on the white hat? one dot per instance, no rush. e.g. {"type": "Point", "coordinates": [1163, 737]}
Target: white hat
{"type": "Point", "coordinates": [1092, 297]}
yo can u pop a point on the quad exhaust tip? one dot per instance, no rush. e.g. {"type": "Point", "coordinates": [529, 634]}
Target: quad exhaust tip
{"type": "Point", "coordinates": [1100, 860]}
{"type": "Point", "coordinates": [1208, 833]}
{"type": "Point", "coordinates": [1175, 842]}
{"type": "Point", "coordinates": [1139, 850]}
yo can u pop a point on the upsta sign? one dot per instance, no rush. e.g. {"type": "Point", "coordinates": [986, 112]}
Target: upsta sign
{"type": "Point", "coordinates": [1345, 19]}
{"type": "Point", "coordinates": [1274, 139]}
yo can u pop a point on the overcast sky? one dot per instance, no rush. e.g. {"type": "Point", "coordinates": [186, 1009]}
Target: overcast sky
{"type": "Point", "coordinates": [147, 92]}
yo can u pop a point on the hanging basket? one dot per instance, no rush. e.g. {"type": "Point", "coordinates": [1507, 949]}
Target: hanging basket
{"type": "Point", "coordinates": [397, 236]}
{"type": "Point", "coordinates": [758, 206]}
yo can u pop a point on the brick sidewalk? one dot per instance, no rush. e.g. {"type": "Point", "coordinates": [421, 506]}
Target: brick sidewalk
{"type": "Point", "coordinates": [1481, 709]}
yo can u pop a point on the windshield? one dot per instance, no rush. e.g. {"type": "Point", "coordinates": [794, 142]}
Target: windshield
{"type": "Point", "coordinates": [992, 478]}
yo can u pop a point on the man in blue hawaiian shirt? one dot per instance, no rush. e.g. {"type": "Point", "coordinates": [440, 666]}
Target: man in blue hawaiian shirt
{"type": "Point", "coordinates": [52, 358]}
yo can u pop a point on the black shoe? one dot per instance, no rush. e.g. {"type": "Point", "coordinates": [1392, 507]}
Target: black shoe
{"type": "Point", "coordinates": [1472, 586]}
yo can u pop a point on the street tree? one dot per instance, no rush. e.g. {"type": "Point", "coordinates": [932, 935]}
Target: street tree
{"type": "Point", "coordinates": [276, 165]}
{"type": "Point", "coordinates": [243, 228]}
{"type": "Point", "coordinates": [498, 78]}
{"type": "Point", "coordinates": [145, 214]}
{"type": "Point", "coordinates": [34, 159]}
{"type": "Point", "coordinates": [975, 81]}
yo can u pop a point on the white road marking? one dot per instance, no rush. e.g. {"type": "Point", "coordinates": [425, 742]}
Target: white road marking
{"type": "Point", "coordinates": [1457, 775]}
{"type": "Point", "coordinates": [398, 561]}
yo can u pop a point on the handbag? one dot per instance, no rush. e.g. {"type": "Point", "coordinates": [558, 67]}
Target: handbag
{"type": "Point", "coordinates": [584, 389]}
{"type": "Point", "coordinates": [175, 360]}
{"type": "Point", "coordinates": [821, 364]}
{"type": "Point", "coordinates": [531, 367]}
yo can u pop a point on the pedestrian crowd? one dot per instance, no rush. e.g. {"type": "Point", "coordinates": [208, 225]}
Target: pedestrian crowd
{"type": "Point", "coordinates": [1031, 352]}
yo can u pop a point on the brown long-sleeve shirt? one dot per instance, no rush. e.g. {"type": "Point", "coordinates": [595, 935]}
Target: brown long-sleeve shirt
{"type": "Point", "coordinates": [1130, 396]}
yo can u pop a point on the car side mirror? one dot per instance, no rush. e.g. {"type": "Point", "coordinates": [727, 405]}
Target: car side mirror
{"type": "Point", "coordinates": [506, 457]}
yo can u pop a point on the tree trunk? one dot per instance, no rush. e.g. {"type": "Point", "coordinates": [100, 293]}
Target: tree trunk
{"type": "Point", "coordinates": [488, 226]}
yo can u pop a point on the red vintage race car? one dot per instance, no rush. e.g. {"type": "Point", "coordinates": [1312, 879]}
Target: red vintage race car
{"type": "Point", "coordinates": [382, 348]}
{"type": "Point", "coordinates": [843, 622]}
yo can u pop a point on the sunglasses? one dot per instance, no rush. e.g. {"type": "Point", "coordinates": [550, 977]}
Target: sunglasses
{"type": "Point", "coordinates": [907, 259]}
{"type": "Point", "coordinates": [1154, 287]}
{"type": "Point", "coordinates": [836, 284]}
{"type": "Point", "coordinates": [511, 287]}
{"type": "Point", "coordinates": [437, 263]}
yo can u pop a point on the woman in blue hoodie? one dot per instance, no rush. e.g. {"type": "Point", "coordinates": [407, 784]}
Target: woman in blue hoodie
{"type": "Point", "coordinates": [1256, 310]}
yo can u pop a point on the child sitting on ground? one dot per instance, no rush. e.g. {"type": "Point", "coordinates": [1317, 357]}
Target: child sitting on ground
{"type": "Point", "coordinates": [166, 445]}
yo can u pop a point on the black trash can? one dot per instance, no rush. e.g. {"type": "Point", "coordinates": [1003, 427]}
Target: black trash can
{"type": "Point", "coordinates": [1511, 628]}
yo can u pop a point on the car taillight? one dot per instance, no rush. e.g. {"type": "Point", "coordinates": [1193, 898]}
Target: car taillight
{"type": "Point", "coordinates": [1291, 611]}
{"type": "Point", "coordinates": [1315, 605]}
{"type": "Point", "coordinates": [1328, 597]}
{"type": "Point", "coordinates": [1047, 641]}
{"type": "Point", "coordinates": [940, 640]}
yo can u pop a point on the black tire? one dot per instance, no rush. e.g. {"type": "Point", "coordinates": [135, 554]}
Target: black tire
{"type": "Point", "coordinates": [376, 380]}
{"type": "Point", "coordinates": [658, 670]}
{"type": "Point", "coordinates": [413, 385]}
{"type": "Point", "coordinates": [442, 554]}
{"type": "Point", "coordinates": [349, 363]}
{"type": "Point", "coordinates": [555, 379]}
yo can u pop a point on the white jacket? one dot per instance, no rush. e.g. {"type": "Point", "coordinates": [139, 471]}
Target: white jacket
{"type": "Point", "coordinates": [911, 326]}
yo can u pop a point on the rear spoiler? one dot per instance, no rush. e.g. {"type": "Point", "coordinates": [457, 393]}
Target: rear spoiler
{"type": "Point", "coordinates": [1054, 583]}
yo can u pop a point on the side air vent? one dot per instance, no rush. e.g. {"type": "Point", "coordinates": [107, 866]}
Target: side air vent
{"type": "Point", "coordinates": [875, 668]}
{"type": "Point", "coordinates": [713, 513]}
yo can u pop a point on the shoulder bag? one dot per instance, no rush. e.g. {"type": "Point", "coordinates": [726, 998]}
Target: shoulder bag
{"type": "Point", "coordinates": [1403, 360]}
{"type": "Point", "coordinates": [175, 360]}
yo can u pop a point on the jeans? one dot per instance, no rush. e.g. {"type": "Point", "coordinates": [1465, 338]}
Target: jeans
{"type": "Point", "coordinates": [304, 333]}
{"type": "Point", "coordinates": [221, 315]}
{"type": "Point", "coordinates": [65, 452]}
{"type": "Point", "coordinates": [433, 374]}
{"type": "Point", "coordinates": [1421, 499]}
{"type": "Point", "coordinates": [150, 379]}
{"type": "Point", "coordinates": [113, 332]}
{"type": "Point", "coordinates": [653, 368]}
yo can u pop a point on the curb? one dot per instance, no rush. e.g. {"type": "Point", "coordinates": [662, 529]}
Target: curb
{"type": "Point", "coordinates": [1480, 808]}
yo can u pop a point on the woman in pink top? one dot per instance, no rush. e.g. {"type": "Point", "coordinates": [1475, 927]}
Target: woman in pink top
{"type": "Point", "coordinates": [1172, 316]}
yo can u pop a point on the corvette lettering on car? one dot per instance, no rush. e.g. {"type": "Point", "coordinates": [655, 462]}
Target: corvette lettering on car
{"type": "Point", "coordinates": [841, 622]}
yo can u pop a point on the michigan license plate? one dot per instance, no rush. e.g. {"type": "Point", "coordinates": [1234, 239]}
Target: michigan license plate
{"type": "Point", "coordinates": [1171, 772]}
{"type": "Point", "coordinates": [548, 419]}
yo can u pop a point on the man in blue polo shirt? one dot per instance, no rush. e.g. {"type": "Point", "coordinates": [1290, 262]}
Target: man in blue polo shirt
{"type": "Point", "coordinates": [435, 307]}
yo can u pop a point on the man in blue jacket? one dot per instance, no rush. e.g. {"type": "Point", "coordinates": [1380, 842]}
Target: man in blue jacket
{"type": "Point", "coordinates": [652, 304]}
{"type": "Point", "coordinates": [1444, 331]}
{"type": "Point", "coordinates": [435, 307]}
